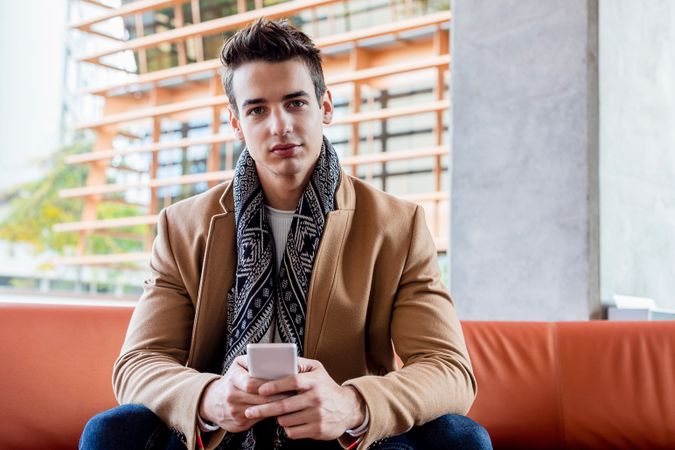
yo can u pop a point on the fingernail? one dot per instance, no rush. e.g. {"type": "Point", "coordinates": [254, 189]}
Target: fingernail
{"type": "Point", "coordinates": [249, 413]}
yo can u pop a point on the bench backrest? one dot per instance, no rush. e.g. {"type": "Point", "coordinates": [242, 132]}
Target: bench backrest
{"type": "Point", "coordinates": [541, 385]}
{"type": "Point", "coordinates": [575, 385]}
{"type": "Point", "coordinates": [56, 371]}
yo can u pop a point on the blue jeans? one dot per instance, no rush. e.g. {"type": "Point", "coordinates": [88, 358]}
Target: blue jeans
{"type": "Point", "coordinates": [132, 427]}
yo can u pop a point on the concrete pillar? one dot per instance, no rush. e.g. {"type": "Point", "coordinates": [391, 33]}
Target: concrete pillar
{"type": "Point", "coordinates": [524, 215]}
{"type": "Point", "coordinates": [637, 149]}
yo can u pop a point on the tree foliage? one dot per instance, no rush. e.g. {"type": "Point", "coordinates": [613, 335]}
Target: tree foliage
{"type": "Point", "coordinates": [35, 207]}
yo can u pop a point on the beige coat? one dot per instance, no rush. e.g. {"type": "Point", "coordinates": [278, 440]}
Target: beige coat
{"type": "Point", "coordinates": [375, 282]}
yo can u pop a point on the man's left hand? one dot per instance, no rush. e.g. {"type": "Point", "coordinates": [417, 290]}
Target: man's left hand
{"type": "Point", "coordinates": [321, 409]}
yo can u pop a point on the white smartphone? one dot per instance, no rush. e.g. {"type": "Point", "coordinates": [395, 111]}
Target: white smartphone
{"type": "Point", "coordinates": [272, 361]}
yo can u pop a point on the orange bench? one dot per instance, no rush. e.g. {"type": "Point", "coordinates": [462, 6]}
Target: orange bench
{"type": "Point", "coordinates": [541, 385]}
{"type": "Point", "coordinates": [575, 385]}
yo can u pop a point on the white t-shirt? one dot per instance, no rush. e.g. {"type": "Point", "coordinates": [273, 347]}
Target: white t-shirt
{"type": "Point", "coordinates": [280, 223]}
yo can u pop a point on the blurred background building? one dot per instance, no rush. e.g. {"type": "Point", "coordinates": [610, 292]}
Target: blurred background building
{"type": "Point", "coordinates": [144, 99]}
{"type": "Point", "coordinates": [544, 158]}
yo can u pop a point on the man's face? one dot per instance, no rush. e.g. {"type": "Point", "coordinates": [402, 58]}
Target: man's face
{"type": "Point", "coordinates": [279, 117]}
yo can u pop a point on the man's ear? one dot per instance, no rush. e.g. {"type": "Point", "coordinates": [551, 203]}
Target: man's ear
{"type": "Point", "coordinates": [234, 123]}
{"type": "Point", "coordinates": [327, 107]}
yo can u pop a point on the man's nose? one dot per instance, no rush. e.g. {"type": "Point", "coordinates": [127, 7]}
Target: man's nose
{"type": "Point", "coordinates": [281, 122]}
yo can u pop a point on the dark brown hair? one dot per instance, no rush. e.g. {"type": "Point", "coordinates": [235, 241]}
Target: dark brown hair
{"type": "Point", "coordinates": [271, 41]}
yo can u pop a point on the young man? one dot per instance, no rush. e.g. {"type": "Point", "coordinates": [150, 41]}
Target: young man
{"type": "Point", "coordinates": [292, 250]}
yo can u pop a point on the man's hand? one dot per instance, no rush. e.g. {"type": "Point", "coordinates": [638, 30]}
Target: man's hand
{"type": "Point", "coordinates": [321, 409]}
{"type": "Point", "coordinates": [225, 400]}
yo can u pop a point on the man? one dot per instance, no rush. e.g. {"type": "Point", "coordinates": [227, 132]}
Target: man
{"type": "Point", "coordinates": [292, 250]}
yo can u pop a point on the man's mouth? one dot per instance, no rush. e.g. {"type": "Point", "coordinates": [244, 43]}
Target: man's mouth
{"type": "Point", "coordinates": [285, 150]}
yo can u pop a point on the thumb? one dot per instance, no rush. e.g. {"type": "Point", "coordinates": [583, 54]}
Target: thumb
{"type": "Point", "coordinates": [307, 365]}
{"type": "Point", "coordinates": [241, 361]}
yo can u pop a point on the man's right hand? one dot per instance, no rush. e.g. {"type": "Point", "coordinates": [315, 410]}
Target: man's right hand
{"type": "Point", "coordinates": [225, 399]}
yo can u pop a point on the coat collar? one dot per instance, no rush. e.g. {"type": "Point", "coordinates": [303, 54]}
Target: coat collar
{"type": "Point", "coordinates": [344, 196]}
{"type": "Point", "coordinates": [227, 199]}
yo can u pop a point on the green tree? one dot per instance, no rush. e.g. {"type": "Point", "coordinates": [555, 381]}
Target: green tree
{"type": "Point", "coordinates": [36, 206]}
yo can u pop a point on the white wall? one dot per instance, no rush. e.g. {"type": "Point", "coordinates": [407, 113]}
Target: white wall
{"type": "Point", "coordinates": [637, 148]}
{"type": "Point", "coordinates": [32, 36]}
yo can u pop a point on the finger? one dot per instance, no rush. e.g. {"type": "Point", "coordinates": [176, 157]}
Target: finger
{"type": "Point", "coordinates": [246, 398]}
{"type": "Point", "coordinates": [276, 398]}
{"type": "Point", "coordinates": [241, 361]}
{"type": "Point", "coordinates": [237, 426]}
{"type": "Point", "coordinates": [308, 430]}
{"type": "Point", "coordinates": [244, 382]}
{"type": "Point", "coordinates": [238, 372]}
{"type": "Point", "coordinates": [297, 418]}
{"type": "Point", "coordinates": [278, 408]}
{"type": "Point", "coordinates": [293, 383]}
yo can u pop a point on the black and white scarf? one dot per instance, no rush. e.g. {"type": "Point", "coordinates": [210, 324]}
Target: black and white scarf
{"type": "Point", "coordinates": [258, 299]}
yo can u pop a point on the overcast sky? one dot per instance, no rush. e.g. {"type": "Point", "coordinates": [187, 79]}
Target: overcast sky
{"type": "Point", "coordinates": [32, 38]}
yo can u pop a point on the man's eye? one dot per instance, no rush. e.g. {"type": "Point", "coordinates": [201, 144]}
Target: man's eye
{"type": "Point", "coordinates": [256, 111]}
{"type": "Point", "coordinates": [297, 103]}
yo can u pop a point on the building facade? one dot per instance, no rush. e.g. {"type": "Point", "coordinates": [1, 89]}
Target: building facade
{"type": "Point", "coordinates": [163, 133]}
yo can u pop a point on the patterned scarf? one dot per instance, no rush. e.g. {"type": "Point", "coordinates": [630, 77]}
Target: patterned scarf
{"type": "Point", "coordinates": [257, 299]}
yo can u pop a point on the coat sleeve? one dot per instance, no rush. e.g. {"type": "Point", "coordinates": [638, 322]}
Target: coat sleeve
{"type": "Point", "coordinates": [436, 377]}
{"type": "Point", "coordinates": [151, 369]}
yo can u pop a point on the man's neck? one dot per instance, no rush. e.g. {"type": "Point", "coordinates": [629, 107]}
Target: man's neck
{"type": "Point", "coordinates": [283, 193]}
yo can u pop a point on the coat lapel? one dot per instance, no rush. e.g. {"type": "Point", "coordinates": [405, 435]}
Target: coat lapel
{"type": "Point", "coordinates": [208, 334]}
{"type": "Point", "coordinates": [326, 263]}
{"type": "Point", "coordinates": [322, 284]}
